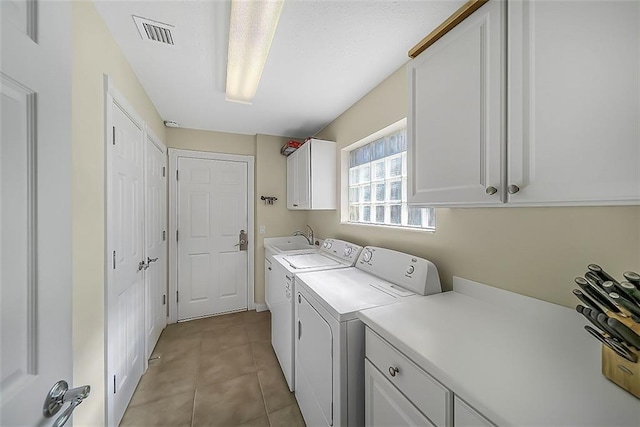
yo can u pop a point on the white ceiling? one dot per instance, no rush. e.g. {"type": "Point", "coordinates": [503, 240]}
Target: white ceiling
{"type": "Point", "coordinates": [325, 56]}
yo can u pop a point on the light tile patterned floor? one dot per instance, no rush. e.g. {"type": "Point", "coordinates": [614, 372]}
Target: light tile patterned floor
{"type": "Point", "coordinates": [219, 371]}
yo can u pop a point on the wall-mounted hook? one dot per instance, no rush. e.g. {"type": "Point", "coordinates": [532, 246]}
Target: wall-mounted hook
{"type": "Point", "coordinates": [268, 200]}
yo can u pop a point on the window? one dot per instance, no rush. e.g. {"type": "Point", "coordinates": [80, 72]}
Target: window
{"type": "Point", "coordinates": [378, 185]}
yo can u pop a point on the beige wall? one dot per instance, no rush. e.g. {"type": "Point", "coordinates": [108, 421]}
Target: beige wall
{"type": "Point", "coordinates": [218, 142]}
{"type": "Point", "coordinates": [532, 251]}
{"type": "Point", "coordinates": [94, 53]}
{"type": "Point", "coordinates": [270, 180]}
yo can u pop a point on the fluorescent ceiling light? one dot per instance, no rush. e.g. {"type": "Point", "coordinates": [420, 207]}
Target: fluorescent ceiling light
{"type": "Point", "coordinates": [253, 25]}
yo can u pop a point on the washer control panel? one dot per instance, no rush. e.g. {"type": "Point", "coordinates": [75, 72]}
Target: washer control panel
{"type": "Point", "coordinates": [346, 251]}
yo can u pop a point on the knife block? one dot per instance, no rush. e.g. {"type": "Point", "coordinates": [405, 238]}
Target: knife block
{"type": "Point", "coordinates": [618, 369]}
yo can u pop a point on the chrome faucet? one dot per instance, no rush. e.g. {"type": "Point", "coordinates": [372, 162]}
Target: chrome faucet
{"type": "Point", "coordinates": [309, 236]}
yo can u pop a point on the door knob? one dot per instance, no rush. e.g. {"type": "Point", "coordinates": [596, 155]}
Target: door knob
{"type": "Point", "coordinates": [513, 189]}
{"type": "Point", "coordinates": [58, 396]}
{"type": "Point", "coordinates": [491, 190]}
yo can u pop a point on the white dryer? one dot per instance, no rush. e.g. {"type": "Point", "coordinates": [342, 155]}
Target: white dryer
{"type": "Point", "coordinates": [329, 356]}
{"type": "Point", "coordinates": [333, 254]}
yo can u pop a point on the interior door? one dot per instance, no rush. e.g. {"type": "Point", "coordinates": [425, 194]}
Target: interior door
{"type": "Point", "coordinates": [35, 206]}
{"type": "Point", "coordinates": [126, 336]}
{"type": "Point", "coordinates": [212, 211]}
{"type": "Point", "coordinates": [155, 281]}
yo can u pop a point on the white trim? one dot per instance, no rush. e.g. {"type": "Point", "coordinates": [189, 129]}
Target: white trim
{"type": "Point", "coordinates": [174, 154]}
{"type": "Point", "coordinates": [261, 307]}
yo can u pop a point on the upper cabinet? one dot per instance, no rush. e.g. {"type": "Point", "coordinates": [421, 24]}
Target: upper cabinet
{"type": "Point", "coordinates": [553, 120]}
{"type": "Point", "coordinates": [311, 176]}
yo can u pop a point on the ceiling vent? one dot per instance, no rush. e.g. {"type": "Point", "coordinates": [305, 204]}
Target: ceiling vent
{"type": "Point", "coordinates": [155, 31]}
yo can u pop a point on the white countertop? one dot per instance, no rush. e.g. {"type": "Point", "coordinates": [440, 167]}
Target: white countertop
{"type": "Point", "coordinates": [517, 360]}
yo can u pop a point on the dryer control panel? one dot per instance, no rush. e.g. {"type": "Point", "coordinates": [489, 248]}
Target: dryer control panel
{"type": "Point", "coordinates": [411, 272]}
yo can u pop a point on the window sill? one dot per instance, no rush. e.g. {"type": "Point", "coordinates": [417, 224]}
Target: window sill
{"type": "Point", "coordinates": [391, 227]}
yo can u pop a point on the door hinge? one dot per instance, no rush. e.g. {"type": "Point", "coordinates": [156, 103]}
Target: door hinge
{"type": "Point", "coordinates": [177, 297]}
{"type": "Point", "coordinates": [331, 411]}
{"type": "Point", "coordinates": [114, 260]}
{"type": "Point", "coordinates": [164, 299]}
{"type": "Point", "coordinates": [164, 235]}
{"type": "Point", "coordinates": [114, 384]}
{"type": "Point", "coordinates": [177, 176]}
{"type": "Point", "coordinates": [164, 171]}
{"type": "Point", "coordinates": [176, 235]}
{"type": "Point", "coordinates": [113, 136]}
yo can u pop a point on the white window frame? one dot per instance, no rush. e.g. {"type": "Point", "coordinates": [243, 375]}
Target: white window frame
{"type": "Point", "coordinates": [344, 178]}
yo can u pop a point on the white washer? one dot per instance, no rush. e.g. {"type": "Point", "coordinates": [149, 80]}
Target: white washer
{"type": "Point", "coordinates": [333, 254]}
{"type": "Point", "coordinates": [329, 357]}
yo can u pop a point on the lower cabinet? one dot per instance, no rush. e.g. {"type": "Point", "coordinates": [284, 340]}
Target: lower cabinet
{"type": "Point", "coordinates": [400, 393]}
{"type": "Point", "coordinates": [385, 405]}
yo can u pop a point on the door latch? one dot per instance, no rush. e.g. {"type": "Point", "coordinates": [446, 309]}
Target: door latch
{"type": "Point", "coordinates": [58, 396]}
{"type": "Point", "coordinates": [243, 240]}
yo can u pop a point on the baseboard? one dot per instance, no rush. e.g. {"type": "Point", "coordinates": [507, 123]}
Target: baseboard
{"type": "Point", "coordinates": [261, 307]}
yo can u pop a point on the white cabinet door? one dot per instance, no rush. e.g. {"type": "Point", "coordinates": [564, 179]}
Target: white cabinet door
{"type": "Point", "coordinates": [385, 405]}
{"type": "Point", "coordinates": [456, 114]}
{"type": "Point", "coordinates": [304, 176]}
{"type": "Point", "coordinates": [574, 101]}
{"type": "Point", "coordinates": [292, 181]}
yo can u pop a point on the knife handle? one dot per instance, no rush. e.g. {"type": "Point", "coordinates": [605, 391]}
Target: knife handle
{"type": "Point", "coordinates": [632, 277]}
{"type": "Point", "coordinates": [629, 336]}
{"type": "Point", "coordinates": [631, 307]}
{"type": "Point", "coordinates": [586, 300]}
{"type": "Point", "coordinates": [602, 320]}
{"type": "Point", "coordinates": [620, 349]}
{"type": "Point", "coordinates": [602, 300]}
{"type": "Point", "coordinates": [597, 270]}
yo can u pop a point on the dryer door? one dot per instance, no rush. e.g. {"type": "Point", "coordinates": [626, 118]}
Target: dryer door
{"type": "Point", "coordinates": [314, 365]}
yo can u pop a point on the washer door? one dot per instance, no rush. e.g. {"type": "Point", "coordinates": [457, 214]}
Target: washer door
{"type": "Point", "coordinates": [314, 365]}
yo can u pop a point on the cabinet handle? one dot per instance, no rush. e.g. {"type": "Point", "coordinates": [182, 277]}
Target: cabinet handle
{"type": "Point", "coordinates": [513, 189]}
{"type": "Point", "coordinates": [269, 268]}
{"type": "Point", "coordinates": [491, 190]}
{"type": "Point", "coordinates": [393, 371]}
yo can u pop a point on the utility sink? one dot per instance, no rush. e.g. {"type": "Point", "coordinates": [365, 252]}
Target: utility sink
{"type": "Point", "coordinates": [289, 244]}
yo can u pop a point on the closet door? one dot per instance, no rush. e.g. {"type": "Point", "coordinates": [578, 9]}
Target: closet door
{"type": "Point", "coordinates": [126, 302]}
{"type": "Point", "coordinates": [155, 241]}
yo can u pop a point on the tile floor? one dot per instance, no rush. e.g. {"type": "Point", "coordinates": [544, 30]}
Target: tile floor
{"type": "Point", "coordinates": [219, 371]}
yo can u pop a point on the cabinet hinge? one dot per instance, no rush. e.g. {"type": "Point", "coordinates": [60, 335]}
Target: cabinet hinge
{"type": "Point", "coordinates": [177, 175]}
{"type": "Point", "coordinates": [164, 299]}
{"type": "Point", "coordinates": [177, 297]}
{"type": "Point", "coordinates": [164, 235]}
{"type": "Point", "coordinates": [114, 384]}
{"type": "Point", "coordinates": [177, 235]}
{"type": "Point", "coordinates": [113, 136]}
{"type": "Point", "coordinates": [164, 170]}
{"type": "Point", "coordinates": [331, 411]}
{"type": "Point", "coordinates": [114, 260]}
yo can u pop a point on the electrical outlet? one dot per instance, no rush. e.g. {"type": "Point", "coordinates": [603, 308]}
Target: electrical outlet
{"type": "Point", "coordinates": [263, 229]}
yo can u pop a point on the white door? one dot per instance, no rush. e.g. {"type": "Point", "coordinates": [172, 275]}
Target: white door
{"type": "Point", "coordinates": [126, 335]}
{"type": "Point", "coordinates": [314, 364]}
{"type": "Point", "coordinates": [155, 281]}
{"type": "Point", "coordinates": [35, 207]}
{"type": "Point", "coordinates": [303, 174]}
{"type": "Point", "coordinates": [212, 211]}
{"type": "Point", "coordinates": [455, 123]}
